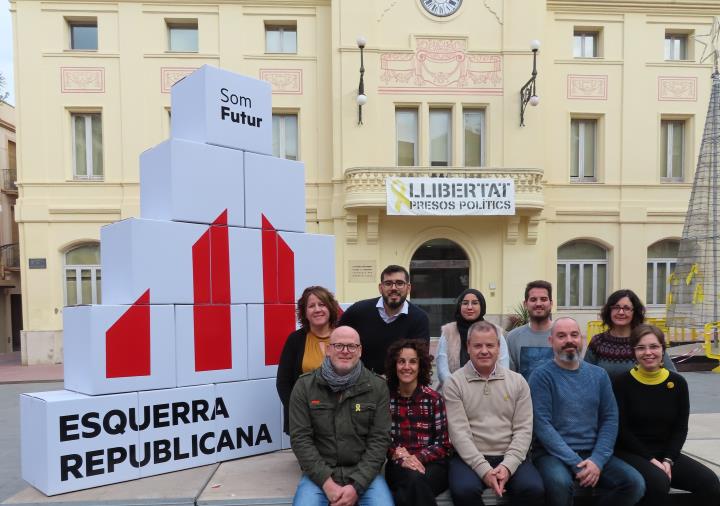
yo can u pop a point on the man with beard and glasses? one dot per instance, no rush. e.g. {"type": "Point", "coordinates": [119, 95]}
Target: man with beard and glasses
{"type": "Point", "coordinates": [340, 428]}
{"type": "Point", "coordinates": [576, 424]}
{"type": "Point", "coordinates": [528, 345]}
{"type": "Point", "coordinates": [386, 319]}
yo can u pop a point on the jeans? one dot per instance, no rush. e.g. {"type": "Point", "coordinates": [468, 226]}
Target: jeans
{"type": "Point", "coordinates": [621, 484]}
{"type": "Point", "coordinates": [524, 488]}
{"type": "Point", "coordinates": [309, 494]}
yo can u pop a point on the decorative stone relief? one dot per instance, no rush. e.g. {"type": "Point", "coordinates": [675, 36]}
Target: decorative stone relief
{"type": "Point", "coordinates": [677, 89]}
{"type": "Point", "coordinates": [441, 65]}
{"type": "Point", "coordinates": [373, 228]}
{"type": "Point", "coordinates": [351, 232]}
{"type": "Point", "coordinates": [82, 80]}
{"type": "Point", "coordinates": [532, 229]}
{"type": "Point", "coordinates": [283, 81]}
{"type": "Point", "coordinates": [171, 75]}
{"type": "Point", "coordinates": [513, 229]}
{"type": "Point", "coordinates": [587, 87]}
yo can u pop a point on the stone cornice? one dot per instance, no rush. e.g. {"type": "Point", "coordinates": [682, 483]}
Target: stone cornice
{"type": "Point", "coordinates": [247, 3]}
{"type": "Point", "coordinates": [705, 7]}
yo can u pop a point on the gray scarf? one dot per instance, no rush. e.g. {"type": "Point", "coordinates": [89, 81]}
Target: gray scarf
{"type": "Point", "coordinates": [336, 382]}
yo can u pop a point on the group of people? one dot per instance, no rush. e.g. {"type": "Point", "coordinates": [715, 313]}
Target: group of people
{"type": "Point", "coordinates": [522, 414]}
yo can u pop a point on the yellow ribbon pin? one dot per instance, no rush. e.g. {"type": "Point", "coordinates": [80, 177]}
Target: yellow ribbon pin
{"type": "Point", "coordinates": [691, 274]}
{"type": "Point", "coordinates": [399, 190]}
{"type": "Point", "coordinates": [357, 408]}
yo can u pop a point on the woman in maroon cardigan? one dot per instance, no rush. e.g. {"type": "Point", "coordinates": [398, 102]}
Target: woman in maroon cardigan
{"type": "Point", "coordinates": [304, 350]}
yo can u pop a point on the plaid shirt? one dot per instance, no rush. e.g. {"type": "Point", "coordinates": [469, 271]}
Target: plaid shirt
{"type": "Point", "coordinates": [419, 424]}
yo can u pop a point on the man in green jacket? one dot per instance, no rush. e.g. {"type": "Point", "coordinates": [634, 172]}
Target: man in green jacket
{"type": "Point", "coordinates": [340, 428]}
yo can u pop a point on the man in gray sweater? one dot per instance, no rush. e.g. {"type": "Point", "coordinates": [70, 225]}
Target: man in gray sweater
{"type": "Point", "coordinates": [528, 345]}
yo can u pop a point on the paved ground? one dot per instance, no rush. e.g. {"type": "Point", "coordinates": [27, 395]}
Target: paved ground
{"type": "Point", "coordinates": [10, 481]}
{"type": "Point", "coordinates": [12, 372]}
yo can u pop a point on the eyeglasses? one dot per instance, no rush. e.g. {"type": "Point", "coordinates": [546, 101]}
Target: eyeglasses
{"type": "Point", "coordinates": [624, 309]}
{"type": "Point", "coordinates": [653, 347]}
{"type": "Point", "coordinates": [351, 348]}
{"type": "Point", "coordinates": [389, 284]}
{"type": "Point", "coordinates": [470, 303]}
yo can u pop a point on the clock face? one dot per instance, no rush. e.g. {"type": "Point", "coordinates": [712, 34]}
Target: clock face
{"type": "Point", "coordinates": [441, 8]}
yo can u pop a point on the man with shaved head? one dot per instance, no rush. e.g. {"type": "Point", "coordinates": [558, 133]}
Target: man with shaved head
{"type": "Point", "coordinates": [575, 426]}
{"type": "Point", "coordinates": [340, 428]}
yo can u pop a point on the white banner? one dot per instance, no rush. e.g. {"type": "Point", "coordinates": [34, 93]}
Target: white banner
{"type": "Point", "coordinates": [433, 196]}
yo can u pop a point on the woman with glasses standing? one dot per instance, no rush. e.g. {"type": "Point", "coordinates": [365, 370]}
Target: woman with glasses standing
{"type": "Point", "coordinates": [654, 407]}
{"type": "Point", "coordinates": [611, 349]}
{"type": "Point", "coordinates": [304, 350]}
{"type": "Point", "coordinates": [452, 351]}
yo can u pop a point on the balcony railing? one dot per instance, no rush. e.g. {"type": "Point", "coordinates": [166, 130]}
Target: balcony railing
{"type": "Point", "coordinates": [9, 176]}
{"type": "Point", "coordinates": [365, 186]}
{"type": "Point", "coordinates": [10, 256]}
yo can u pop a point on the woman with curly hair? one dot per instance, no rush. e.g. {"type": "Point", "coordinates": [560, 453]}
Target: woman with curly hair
{"type": "Point", "coordinates": [611, 349]}
{"type": "Point", "coordinates": [304, 350]}
{"type": "Point", "coordinates": [417, 458]}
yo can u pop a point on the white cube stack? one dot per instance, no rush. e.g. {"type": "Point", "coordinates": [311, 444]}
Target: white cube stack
{"type": "Point", "coordinates": [176, 368]}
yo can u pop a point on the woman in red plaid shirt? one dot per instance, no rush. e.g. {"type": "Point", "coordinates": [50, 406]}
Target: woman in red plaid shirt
{"type": "Point", "coordinates": [417, 458]}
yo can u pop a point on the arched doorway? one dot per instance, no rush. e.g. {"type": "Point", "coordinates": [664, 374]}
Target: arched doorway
{"type": "Point", "coordinates": [439, 271]}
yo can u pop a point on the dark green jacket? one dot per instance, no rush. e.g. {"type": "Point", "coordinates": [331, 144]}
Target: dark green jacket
{"type": "Point", "coordinates": [344, 435]}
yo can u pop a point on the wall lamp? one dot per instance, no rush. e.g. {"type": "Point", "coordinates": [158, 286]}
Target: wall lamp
{"type": "Point", "coordinates": [528, 93]}
{"type": "Point", "coordinates": [361, 97]}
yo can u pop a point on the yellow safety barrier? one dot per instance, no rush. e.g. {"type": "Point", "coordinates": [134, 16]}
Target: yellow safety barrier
{"type": "Point", "coordinates": [711, 329]}
{"type": "Point", "coordinates": [595, 327]}
{"type": "Point", "coordinates": [674, 335]}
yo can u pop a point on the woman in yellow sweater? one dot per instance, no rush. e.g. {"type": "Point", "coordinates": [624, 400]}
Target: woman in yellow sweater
{"type": "Point", "coordinates": [304, 350]}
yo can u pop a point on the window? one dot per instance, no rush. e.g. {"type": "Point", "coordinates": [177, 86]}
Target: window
{"type": "Point", "coordinates": [406, 126]}
{"type": "Point", "coordinates": [672, 149]}
{"type": "Point", "coordinates": [581, 274]}
{"type": "Point", "coordinates": [82, 275]}
{"type": "Point", "coordinates": [10, 175]}
{"type": "Point", "coordinates": [183, 36]}
{"type": "Point", "coordinates": [12, 157]}
{"type": "Point", "coordinates": [280, 39]}
{"type": "Point", "coordinates": [474, 125]}
{"type": "Point", "coordinates": [586, 44]}
{"type": "Point", "coordinates": [285, 136]}
{"type": "Point", "coordinates": [583, 155]}
{"type": "Point", "coordinates": [87, 146]}
{"type": "Point", "coordinates": [662, 258]}
{"type": "Point", "coordinates": [440, 137]}
{"type": "Point", "coordinates": [676, 46]}
{"type": "Point", "coordinates": [83, 35]}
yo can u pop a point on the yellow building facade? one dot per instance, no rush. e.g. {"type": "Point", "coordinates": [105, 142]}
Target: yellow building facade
{"type": "Point", "coordinates": [602, 170]}
{"type": "Point", "coordinates": [10, 299]}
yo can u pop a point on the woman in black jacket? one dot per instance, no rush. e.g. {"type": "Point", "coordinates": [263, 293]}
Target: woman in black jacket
{"type": "Point", "coordinates": [654, 406]}
{"type": "Point", "coordinates": [304, 350]}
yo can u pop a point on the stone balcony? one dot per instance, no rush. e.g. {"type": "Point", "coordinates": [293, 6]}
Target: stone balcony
{"type": "Point", "coordinates": [365, 186]}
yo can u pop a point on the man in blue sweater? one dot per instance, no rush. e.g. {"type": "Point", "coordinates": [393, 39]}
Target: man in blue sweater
{"type": "Point", "coordinates": [575, 426]}
{"type": "Point", "coordinates": [381, 321]}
